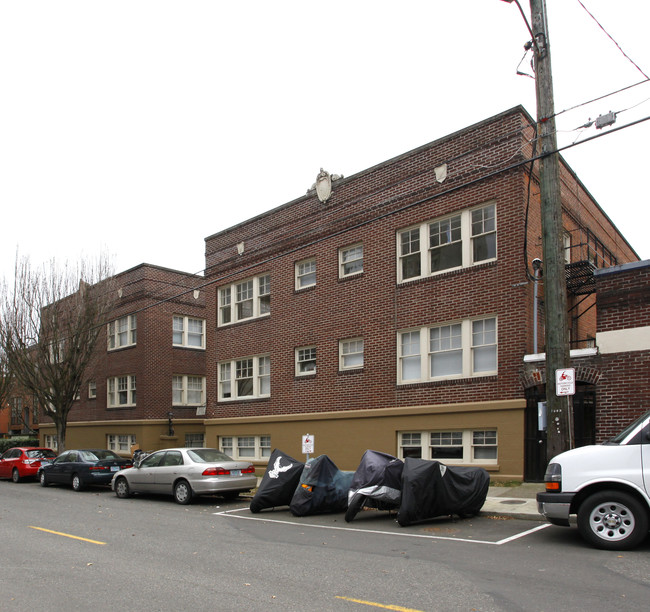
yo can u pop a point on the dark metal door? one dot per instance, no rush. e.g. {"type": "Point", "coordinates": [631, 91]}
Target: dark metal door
{"type": "Point", "coordinates": [534, 438]}
{"type": "Point", "coordinates": [584, 428]}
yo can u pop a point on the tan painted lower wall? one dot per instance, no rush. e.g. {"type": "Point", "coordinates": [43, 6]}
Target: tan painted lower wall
{"type": "Point", "coordinates": [343, 436]}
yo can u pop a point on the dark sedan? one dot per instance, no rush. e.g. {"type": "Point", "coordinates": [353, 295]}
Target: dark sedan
{"type": "Point", "coordinates": [83, 467]}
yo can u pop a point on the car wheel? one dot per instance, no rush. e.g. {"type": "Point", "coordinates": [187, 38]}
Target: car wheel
{"type": "Point", "coordinates": [77, 484]}
{"type": "Point", "coordinates": [42, 479]}
{"type": "Point", "coordinates": [15, 476]}
{"type": "Point", "coordinates": [182, 492]}
{"type": "Point", "coordinates": [122, 488]}
{"type": "Point", "coordinates": [612, 520]}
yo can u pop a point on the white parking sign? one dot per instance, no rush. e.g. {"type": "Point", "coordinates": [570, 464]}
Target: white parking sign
{"type": "Point", "coordinates": [307, 444]}
{"type": "Point", "coordinates": [565, 381]}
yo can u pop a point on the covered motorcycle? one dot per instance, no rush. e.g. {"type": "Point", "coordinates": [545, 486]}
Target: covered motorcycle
{"type": "Point", "coordinates": [375, 484]}
{"type": "Point", "coordinates": [278, 483]}
{"type": "Point", "coordinates": [322, 488]}
{"type": "Point", "coordinates": [431, 489]}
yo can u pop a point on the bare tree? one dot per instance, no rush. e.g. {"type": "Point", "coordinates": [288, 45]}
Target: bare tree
{"type": "Point", "coordinates": [6, 378]}
{"type": "Point", "coordinates": [51, 323]}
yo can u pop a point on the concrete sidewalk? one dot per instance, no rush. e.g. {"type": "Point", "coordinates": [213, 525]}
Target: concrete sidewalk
{"type": "Point", "coordinates": [514, 502]}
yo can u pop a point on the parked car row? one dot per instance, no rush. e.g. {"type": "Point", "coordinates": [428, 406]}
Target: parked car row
{"type": "Point", "coordinates": [181, 472]}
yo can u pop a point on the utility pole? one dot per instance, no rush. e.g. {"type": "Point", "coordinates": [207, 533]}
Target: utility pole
{"type": "Point", "coordinates": [555, 295]}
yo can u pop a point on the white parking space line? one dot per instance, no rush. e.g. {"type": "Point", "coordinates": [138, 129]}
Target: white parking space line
{"type": "Point", "coordinates": [523, 534]}
{"type": "Point", "coordinates": [233, 514]}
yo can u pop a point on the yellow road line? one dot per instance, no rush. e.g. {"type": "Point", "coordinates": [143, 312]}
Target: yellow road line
{"type": "Point", "coordinates": [378, 605]}
{"type": "Point", "coordinates": [67, 535]}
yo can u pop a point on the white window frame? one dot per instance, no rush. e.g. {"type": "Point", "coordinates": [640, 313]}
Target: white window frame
{"type": "Point", "coordinates": [181, 327]}
{"type": "Point", "coordinates": [51, 441]}
{"type": "Point", "coordinates": [236, 372]}
{"type": "Point", "coordinates": [469, 440]}
{"type": "Point", "coordinates": [181, 390]}
{"type": "Point", "coordinates": [121, 384]}
{"type": "Point", "coordinates": [305, 272]}
{"type": "Point", "coordinates": [351, 354]}
{"type": "Point", "coordinates": [304, 356]}
{"type": "Point", "coordinates": [416, 353]}
{"type": "Point", "coordinates": [120, 443]}
{"type": "Point", "coordinates": [351, 256]}
{"type": "Point", "coordinates": [92, 389]}
{"type": "Point", "coordinates": [246, 447]}
{"type": "Point", "coordinates": [414, 244]}
{"type": "Point", "coordinates": [566, 246]}
{"type": "Point", "coordinates": [126, 326]}
{"type": "Point", "coordinates": [245, 300]}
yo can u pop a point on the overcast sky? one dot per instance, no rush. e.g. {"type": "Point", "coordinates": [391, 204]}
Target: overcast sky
{"type": "Point", "coordinates": [139, 128]}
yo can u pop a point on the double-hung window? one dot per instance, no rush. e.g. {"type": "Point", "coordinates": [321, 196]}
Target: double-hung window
{"type": "Point", "coordinates": [188, 332]}
{"type": "Point", "coordinates": [305, 360]}
{"type": "Point", "coordinates": [452, 446]}
{"type": "Point", "coordinates": [248, 299]}
{"type": "Point", "coordinates": [350, 260]}
{"type": "Point", "coordinates": [120, 442]}
{"type": "Point", "coordinates": [188, 390]}
{"type": "Point", "coordinates": [247, 378]}
{"type": "Point", "coordinates": [246, 447]}
{"type": "Point", "coordinates": [121, 391]}
{"type": "Point", "coordinates": [457, 241]}
{"type": "Point", "coordinates": [351, 354]}
{"type": "Point", "coordinates": [458, 350]}
{"type": "Point", "coordinates": [122, 332]}
{"type": "Point", "coordinates": [305, 273]}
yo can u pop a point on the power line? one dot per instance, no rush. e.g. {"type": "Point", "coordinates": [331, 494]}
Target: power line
{"type": "Point", "coordinates": [612, 39]}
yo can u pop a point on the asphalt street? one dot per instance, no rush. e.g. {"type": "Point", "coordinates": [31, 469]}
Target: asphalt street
{"type": "Point", "coordinates": [63, 550]}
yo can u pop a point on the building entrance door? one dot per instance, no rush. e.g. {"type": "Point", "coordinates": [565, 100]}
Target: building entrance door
{"type": "Point", "coordinates": [584, 427]}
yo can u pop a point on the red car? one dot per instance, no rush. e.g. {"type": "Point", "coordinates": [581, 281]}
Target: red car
{"type": "Point", "coordinates": [24, 462]}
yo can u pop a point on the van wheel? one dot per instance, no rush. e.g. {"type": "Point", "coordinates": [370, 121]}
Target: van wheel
{"type": "Point", "coordinates": [612, 520]}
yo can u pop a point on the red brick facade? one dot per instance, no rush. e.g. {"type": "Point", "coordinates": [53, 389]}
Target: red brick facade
{"type": "Point", "coordinates": [484, 165]}
{"type": "Point", "coordinates": [273, 362]}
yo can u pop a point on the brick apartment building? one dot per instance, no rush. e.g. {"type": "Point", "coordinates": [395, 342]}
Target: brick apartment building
{"type": "Point", "coordinates": [393, 310]}
{"type": "Point", "coordinates": [147, 382]}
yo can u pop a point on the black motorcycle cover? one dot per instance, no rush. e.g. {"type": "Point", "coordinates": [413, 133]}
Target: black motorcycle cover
{"type": "Point", "coordinates": [322, 488]}
{"type": "Point", "coordinates": [278, 483]}
{"type": "Point", "coordinates": [431, 489]}
{"type": "Point", "coordinates": [377, 483]}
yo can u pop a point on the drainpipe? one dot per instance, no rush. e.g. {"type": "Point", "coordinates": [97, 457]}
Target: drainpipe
{"type": "Point", "coordinates": [537, 268]}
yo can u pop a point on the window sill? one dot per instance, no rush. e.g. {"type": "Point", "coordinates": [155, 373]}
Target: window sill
{"type": "Point", "coordinates": [235, 324]}
{"type": "Point", "coordinates": [350, 371]}
{"type": "Point", "coordinates": [348, 277]}
{"type": "Point", "coordinates": [466, 380]}
{"type": "Point", "coordinates": [446, 273]}
{"type": "Point", "coordinates": [303, 289]}
{"type": "Point", "coordinates": [121, 348]}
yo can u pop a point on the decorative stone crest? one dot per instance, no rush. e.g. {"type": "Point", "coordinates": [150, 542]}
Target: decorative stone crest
{"type": "Point", "coordinates": [323, 184]}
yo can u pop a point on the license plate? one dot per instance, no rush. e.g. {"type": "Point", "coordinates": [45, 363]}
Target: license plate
{"type": "Point", "coordinates": [115, 468]}
{"type": "Point", "coordinates": [235, 472]}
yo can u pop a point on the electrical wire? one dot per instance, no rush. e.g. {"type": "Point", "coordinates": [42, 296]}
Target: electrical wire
{"type": "Point", "coordinates": [612, 39]}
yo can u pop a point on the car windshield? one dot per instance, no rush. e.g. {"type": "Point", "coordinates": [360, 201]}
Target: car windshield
{"type": "Point", "coordinates": [97, 455]}
{"type": "Point", "coordinates": [621, 438]}
{"type": "Point", "coordinates": [207, 455]}
{"type": "Point", "coordinates": [41, 453]}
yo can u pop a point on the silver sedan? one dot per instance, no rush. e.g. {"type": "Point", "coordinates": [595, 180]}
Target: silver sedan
{"type": "Point", "coordinates": [186, 472]}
